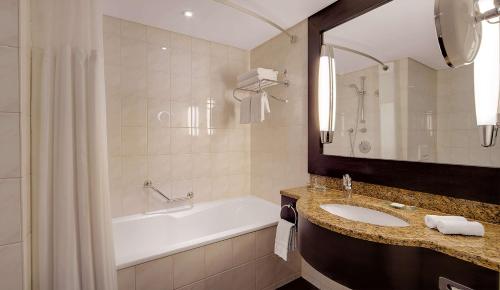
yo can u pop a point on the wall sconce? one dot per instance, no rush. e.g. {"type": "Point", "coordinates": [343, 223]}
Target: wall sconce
{"type": "Point", "coordinates": [487, 78]}
{"type": "Point", "coordinates": [327, 94]}
{"type": "Point", "coordinates": [468, 32]}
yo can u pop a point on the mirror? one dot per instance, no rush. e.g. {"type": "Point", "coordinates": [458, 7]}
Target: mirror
{"type": "Point", "coordinates": [419, 109]}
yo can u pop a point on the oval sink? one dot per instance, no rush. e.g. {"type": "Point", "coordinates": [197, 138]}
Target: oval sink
{"type": "Point", "coordinates": [365, 215]}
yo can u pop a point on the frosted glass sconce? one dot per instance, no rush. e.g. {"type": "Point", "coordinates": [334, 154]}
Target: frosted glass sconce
{"type": "Point", "coordinates": [327, 94]}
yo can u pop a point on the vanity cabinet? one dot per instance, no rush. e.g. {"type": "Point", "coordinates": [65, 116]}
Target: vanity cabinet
{"type": "Point", "coordinates": [360, 264]}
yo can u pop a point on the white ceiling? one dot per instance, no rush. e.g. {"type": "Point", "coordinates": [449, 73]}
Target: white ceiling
{"type": "Point", "coordinates": [216, 22]}
{"type": "Point", "coordinates": [399, 29]}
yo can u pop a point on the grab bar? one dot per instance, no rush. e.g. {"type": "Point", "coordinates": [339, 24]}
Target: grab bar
{"type": "Point", "coordinates": [149, 184]}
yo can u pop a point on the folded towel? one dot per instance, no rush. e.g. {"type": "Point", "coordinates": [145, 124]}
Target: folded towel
{"type": "Point", "coordinates": [432, 220]}
{"type": "Point", "coordinates": [285, 239]}
{"type": "Point", "coordinates": [460, 228]}
{"type": "Point", "coordinates": [262, 73]}
{"type": "Point", "coordinates": [245, 110]}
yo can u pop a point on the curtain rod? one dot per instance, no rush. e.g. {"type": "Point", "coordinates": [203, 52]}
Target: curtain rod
{"type": "Point", "coordinates": [228, 3]}
{"type": "Point", "coordinates": [384, 66]}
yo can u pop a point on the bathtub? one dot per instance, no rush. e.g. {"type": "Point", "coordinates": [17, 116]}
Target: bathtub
{"type": "Point", "coordinates": [141, 238]}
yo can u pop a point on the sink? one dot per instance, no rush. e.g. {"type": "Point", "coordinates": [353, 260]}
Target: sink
{"type": "Point", "coordinates": [365, 215]}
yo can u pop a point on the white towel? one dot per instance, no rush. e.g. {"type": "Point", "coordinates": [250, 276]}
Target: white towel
{"type": "Point", "coordinates": [259, 107]}
{"type": "Point", "coordinates": [285, 239]}
{"type": "Point", "coordinates": [432, 220]}
{"type": "Point", "coordinates": [245, 110]}
{"type": "Point", "coordinates": [460, 228]}
{"type": "Point", "coordinates": [261, 73]}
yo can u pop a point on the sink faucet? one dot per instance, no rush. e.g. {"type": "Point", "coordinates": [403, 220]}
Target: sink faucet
{"type": "Point", "coordinates": [347, 182]}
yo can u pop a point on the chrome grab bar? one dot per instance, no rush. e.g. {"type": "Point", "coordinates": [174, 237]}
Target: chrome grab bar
{"type": "Point", "coordinates": [149, 184]}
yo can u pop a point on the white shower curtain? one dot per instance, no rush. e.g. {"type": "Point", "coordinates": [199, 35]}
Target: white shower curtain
{"type": "Point", "coordinates": [72, 234]}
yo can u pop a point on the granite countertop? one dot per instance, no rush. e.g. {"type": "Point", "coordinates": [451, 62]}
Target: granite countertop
{"type": "Point", "coordinates": [482, 251]}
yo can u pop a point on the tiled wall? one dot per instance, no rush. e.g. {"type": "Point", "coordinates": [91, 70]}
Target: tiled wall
{"type": "Point", "coordinates": [458, 140]}
{"type": "Point", "coordinates": [171, 117]}
{"type": "Point", "coordinates": [279, 144]}
{"type": "Point", "coordinates": [15, 231]}
{"type": "Point", "coordinates": [245, 262]}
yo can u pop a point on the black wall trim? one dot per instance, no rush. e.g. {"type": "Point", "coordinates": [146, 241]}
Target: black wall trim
{"type": "Point", "coordinates": [467, 182]}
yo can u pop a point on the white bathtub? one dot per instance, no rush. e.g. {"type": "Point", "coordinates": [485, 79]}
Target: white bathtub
{"type": "Point", "coordinates": [141, 238]}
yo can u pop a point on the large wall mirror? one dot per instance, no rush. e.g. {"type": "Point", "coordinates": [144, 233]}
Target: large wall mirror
{"type": "Point", "coordinates": [404, 117]}
{"type": "Point", "coordinates": [414, 107]}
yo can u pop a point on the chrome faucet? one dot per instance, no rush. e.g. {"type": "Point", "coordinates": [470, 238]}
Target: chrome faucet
{"type": "Point", "coordinates": [347, 182]}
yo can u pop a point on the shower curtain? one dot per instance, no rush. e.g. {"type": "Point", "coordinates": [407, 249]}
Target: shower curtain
{"type": "Point", "coordinates": [72, 233]}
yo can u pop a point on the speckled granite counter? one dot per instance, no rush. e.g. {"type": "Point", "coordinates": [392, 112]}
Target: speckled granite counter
{"type": "Point", "coordinates": [482, 251]}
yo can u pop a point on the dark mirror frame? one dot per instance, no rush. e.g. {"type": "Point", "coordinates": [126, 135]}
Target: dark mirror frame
{"type": "Point", "coordinates": [459, 181]}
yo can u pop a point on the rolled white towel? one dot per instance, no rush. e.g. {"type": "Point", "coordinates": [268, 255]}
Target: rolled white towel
{"type": "Point", "coordinates": [460, 228]}
{"type": "Point", "coordinates": [432, 220]}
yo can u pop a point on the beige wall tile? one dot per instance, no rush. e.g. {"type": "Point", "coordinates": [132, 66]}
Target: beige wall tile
{"type": "Point", "coordinates": [222, 281]}
{"type": "Point", "coordinates": [133, 30]}
{"type": "Point", "coordinates": [9, 79]}
{"type": "Point", "coordinates": [10, 158]}
{"type": "Point", "coordinates": [9, 22]}
{"type": "Point", "coordinates": [155, 275]}
{"type": "Point", "coordinates": [218, 257]}
{"type": "Point", "coordinates": [243, 249]}
{"type": "Point", "coordinates": [126, 279]}
{"type": "Point", "coordinates": [244, 277]}
{"type": "Point", "coordinates": [195, 286]}
{"type": "Point", "coordinates": [10, 211]}
{"type": "Point", "coordinates": [264, 240]}
{"type": "Point", "coordinates": [277, 159]}
{"type": "Point", "coordinates": [172, 95]}
{"type": "Point", "coordinates": [189, 267]}
{"type": "Point", "coordinates": [11, 268]}
{"type": "Point", "coordinates": [158, 36]}
{"type": "Point", "coordinates": [266, 271]}
{"type": "Point", "coordinates": [134, 140]}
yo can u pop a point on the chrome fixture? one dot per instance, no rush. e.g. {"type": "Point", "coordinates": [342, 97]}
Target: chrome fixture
{"type": "Point", "coordinates": [260, 85]}
{"type": "Point", "coordinates": [235, 6]}
{"type": "Point", "coordinates": [468, 34]}
{"type": "Point", "coordinates": [149, 184]}
{"type": "Point", "coordinates": [384, 66]}
{"type": "Point", "coordinates": [347, 183]}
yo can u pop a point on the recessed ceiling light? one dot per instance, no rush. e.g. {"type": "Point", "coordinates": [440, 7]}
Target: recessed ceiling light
{"type": "Point", "coordinates": [188, 13]}
{"type": "Point", "coordinates": [164, 48]}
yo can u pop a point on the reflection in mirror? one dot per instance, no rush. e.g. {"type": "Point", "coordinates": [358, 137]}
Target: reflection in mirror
{"type": "Point", "coordinates": [419, 109]}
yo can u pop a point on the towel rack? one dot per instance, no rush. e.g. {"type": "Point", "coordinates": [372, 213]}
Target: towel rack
{"type": "Point", "coordinates": [294, 212]}
{"type": "Point", "coordinates": [262, 84]}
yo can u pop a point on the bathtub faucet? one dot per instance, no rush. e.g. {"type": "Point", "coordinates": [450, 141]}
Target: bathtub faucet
{"type": "Point", "coordinates": [149, 184]}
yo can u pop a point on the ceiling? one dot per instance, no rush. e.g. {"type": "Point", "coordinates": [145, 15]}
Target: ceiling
{"type": "Point", "coordinates": [399, 29]}
{"type": "Point", "coordinates": [216, 22]}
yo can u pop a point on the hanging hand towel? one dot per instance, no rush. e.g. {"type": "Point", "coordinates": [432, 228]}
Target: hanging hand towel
{"type": "Point", "coordinates": [259, 106]}
{"type": "Point", "coordinates": [465, 228]}
{"type": "Point", "coordinates": [245, 110]}
{"type": "Point", "coordinates": [432, 220]}
{"type": "Point", "coordinates": [284, 238]}
{"type": "Point", "coordinates": [264, 106]}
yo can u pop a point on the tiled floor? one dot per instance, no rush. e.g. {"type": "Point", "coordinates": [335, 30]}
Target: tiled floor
{"type": "Point", "coordinates": [298, 284]}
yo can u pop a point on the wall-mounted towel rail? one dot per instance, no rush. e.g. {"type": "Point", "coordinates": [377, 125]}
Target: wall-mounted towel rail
{"type": "Point", "coordinates": [294, 212]}
{"type": "Point", "coordinates": [259, 85]}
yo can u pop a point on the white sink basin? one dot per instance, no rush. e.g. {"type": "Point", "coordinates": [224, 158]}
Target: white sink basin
{"type": "Point", "coordinates": [365, 215]}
